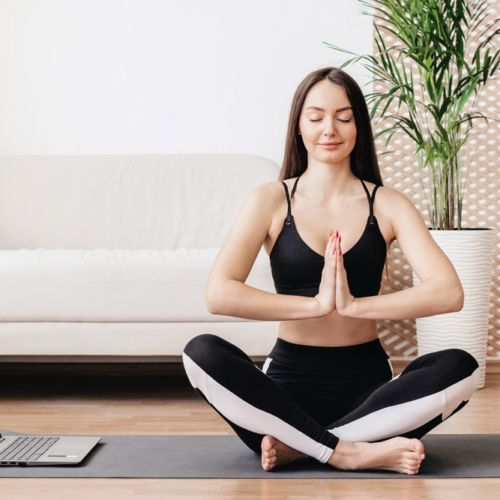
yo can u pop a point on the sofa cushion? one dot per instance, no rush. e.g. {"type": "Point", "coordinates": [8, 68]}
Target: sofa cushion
{"type": "Point", "coordinates": [112, 285]}
{"type": "Point", "coordinates": [162, 202]}
{"type": "Point", "coordinates": [61, 338]}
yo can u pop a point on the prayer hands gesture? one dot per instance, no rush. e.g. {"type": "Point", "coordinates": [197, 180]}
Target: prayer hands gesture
{"type": "Point", "coordinates": [334, 294]}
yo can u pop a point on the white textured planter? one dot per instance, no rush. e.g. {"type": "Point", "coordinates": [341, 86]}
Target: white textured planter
{"type": "Point", "coordinates": [471, 252]}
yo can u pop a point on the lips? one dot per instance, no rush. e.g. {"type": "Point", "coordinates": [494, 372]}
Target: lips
{"type": "Point", "coordinates": [329, 143]}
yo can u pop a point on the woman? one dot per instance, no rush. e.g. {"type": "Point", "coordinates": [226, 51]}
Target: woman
{"type": "Point", "coordinates": [327, 389]}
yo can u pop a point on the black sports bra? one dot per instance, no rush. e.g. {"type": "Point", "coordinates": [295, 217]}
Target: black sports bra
{"type": "Point", "coordinates": [296, 268]}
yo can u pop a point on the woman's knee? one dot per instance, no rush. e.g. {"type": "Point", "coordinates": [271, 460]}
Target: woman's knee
{"type": "Point", "coordinates": [448, 366]}
{"type": "Point", "coordinates": [202, 348]}
{"type": "Point", "coordinates": [197, 359]}
{"type": "Point", "coordinates": [459, 361]}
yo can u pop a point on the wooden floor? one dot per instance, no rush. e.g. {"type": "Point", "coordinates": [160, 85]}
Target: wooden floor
{"type": "Point", "coordinates": [167, 405]}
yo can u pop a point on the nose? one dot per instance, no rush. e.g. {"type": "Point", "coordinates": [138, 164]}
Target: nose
{"type": "Point", "coordinates": [329, 129]}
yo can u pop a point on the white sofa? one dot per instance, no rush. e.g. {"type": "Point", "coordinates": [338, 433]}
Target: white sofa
{"type": "Point", "coordinates": [108, 256]}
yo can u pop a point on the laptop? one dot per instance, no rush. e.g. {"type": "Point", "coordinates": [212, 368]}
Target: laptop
{"type": "Point", "coordinates": [45, 450]}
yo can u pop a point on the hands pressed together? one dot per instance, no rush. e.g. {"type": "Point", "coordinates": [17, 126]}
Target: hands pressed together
{"type": "Point", "coordinates": [334, 294]}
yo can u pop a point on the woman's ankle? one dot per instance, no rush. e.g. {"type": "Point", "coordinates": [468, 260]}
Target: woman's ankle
{"type": "Point", "coordinates": [341, 457]}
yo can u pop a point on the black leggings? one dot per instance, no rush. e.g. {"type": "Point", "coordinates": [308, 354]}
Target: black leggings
{"type": "Point", "coordinates": [310, 397]}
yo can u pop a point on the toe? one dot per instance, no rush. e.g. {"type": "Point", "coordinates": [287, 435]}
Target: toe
{"type": "Point", "coordinates": [411, 469]}
{"type": "Point", "coordinates": [417, 446]}
{"type": "Point", "coordinates": [266, 443]}
{"type": "Point", "coordinates": [267, 465]}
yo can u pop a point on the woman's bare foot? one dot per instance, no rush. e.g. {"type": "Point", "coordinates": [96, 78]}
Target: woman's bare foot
{"type": "Point", "coordinates": [397, 454]}
{"type": "Point", "coordinates": [275, 453]}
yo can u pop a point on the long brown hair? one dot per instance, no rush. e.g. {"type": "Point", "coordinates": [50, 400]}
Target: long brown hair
{"type": "Point", "coordinates": [364, 162]}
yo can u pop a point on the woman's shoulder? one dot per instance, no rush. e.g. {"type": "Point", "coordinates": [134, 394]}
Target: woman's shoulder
{"type": "Point", "coordinates": [264, 201]}
{"type": "Point", "coordinates": [271, 193]}
{"type": "Point", "coordinates": [387, 196]}
{"type": "Point", "coordinates": [393, 206]}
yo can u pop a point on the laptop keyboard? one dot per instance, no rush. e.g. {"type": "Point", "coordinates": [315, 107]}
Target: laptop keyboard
{"type": "Point", "coordinates": [27, 448]}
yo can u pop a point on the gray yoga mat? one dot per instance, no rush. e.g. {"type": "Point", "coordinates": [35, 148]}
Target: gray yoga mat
{"type": "Point", "coordinates": [448, 455]}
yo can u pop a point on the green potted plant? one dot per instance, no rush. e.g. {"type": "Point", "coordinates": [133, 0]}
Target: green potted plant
{"type": "Point", "coordinates": [428, 81]}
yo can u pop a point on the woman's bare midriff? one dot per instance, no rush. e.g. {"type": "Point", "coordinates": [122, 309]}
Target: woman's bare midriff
{"type": "Point", "coordinates": [329, 331]}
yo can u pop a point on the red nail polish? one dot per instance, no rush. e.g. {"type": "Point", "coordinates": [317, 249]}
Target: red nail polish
{"type": "Point", "coordinates": [340, 251]}
{"type": "Point", "coordinates": [340, 239]}
{"type": "Point", "coordinates": [331, 232]}
{"type": "Point", "coordinates": [336, 234]}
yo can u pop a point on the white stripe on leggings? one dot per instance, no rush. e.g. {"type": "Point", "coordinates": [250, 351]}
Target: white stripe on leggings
{"type": "Point", "coordinates": [266, 365]}
{"type": "Point", "coordinates": [399, 419]}
{"type": "Point", "coordinates": [247, 416]}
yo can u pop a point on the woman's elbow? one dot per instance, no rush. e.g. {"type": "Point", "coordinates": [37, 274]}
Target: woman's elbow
{"type": "Point", "coordinates": [457, 302]}
{"type": "Point", "coordinates": [212, 301]}
{"type": "Point", "coordinates": [216, 298]}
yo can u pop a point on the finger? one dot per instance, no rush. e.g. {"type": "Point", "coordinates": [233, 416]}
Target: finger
{"type": "Point", "coordinates": [336, 249]}
{"type": "Point", "coordinates": [340, 255]}
{"type": "Point", "coordinates": [333, 257]}
{"type": "Point", "coordinates": [340, 266]}
{"type": "Point", "coordinates": [330, 240]}
{"type": "Point", "coordinates": [329, 250]}
{"type": "Point", "coordinates": [340, 261]}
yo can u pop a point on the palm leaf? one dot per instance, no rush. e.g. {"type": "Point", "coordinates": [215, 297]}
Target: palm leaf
{"type": "Point", "coordinates": [438, 36]}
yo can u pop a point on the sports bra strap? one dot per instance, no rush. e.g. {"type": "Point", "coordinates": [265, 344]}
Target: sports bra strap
{"type": "Point", "coordinates": [289, 214]}
{"type": "Point", "coordinates": [295, 186]}
{"type": "Point", "coordinates": [370, 201]}
{"type": "Point", "coordinates": [288, 199]}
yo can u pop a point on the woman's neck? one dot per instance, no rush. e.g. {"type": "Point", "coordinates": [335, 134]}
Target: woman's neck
{"type": "Point", "coordinates": [328, 181]}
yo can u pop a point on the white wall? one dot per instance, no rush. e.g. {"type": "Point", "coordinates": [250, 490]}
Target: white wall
{"type": "Point", "coordinates": [163, 76]}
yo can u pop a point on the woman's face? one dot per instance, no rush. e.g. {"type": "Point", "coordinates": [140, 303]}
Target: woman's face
{"type": "Point", "coordinates": [327, 123]}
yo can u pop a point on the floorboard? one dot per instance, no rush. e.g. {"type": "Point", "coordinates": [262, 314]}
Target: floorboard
{"type": "Point", "coordinates": [167, 405]}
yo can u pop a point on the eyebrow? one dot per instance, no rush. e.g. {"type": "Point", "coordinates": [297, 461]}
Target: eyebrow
{"type": "Point", "coordinates": [321, 109]}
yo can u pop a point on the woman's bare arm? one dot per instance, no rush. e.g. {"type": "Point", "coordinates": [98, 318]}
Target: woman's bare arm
{"type": "Point", "coordinates": [226, 293]}
{"type": "Point", "coordinates": [440, 290]}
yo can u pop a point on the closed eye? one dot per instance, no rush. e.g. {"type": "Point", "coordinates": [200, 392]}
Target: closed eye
{"type": "Point", "coordinates": [343, 121]}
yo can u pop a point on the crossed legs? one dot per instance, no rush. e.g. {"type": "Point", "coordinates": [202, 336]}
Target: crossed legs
{"type": "Point", "coordinates": [267, 419]}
